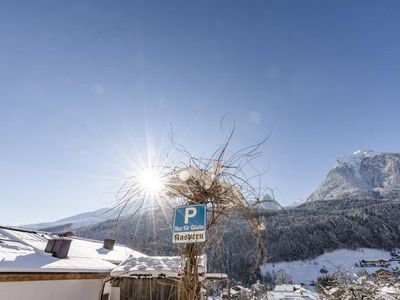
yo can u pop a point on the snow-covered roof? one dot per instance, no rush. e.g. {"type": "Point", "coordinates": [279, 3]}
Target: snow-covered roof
{"type": "Point", "coordinates": [287, 287]}
{"type": "Point", "coordinates": [217, 276]}
{"type": "Point", "coordinates": [170, 266]}
{"type": "Point", "coordinates": [23, 251]}
{"type": "Point", "coordinates": [290, 291]}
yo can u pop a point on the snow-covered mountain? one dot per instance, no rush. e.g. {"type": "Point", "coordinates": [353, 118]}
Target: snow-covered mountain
{"type": "Point", "coordinates": [78, 220]}
{"type": "Point", "coordinates": [86, 218]}
{"type": "Point", "coordinates": [363, 175]}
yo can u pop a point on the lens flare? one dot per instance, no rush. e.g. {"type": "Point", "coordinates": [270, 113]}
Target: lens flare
{"type": "Point", "coordinates": [151, 182]}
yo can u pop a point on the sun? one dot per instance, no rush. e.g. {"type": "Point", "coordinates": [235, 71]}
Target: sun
{"type": "Point", "coordinates": [151, 182]}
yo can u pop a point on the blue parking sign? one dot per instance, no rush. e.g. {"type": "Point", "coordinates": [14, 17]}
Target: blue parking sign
{"type": "Point", "coordinates": [190, 224]}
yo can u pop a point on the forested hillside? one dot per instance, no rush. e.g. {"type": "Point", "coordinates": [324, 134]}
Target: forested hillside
{"type": "Point", "coordinates": [301, 232]}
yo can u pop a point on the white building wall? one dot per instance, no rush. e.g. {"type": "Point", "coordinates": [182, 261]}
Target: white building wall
{"type": "Point", "coordinates": [113, 292]}
{"type": "Point", "coordinates": [88, 289]}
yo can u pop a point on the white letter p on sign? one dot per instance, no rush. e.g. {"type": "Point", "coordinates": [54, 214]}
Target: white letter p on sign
{"type": "Point", "coordinates": [190, 212]}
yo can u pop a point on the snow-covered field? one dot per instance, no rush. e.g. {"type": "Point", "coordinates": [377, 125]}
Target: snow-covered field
{"type": "Point", "coordinates": [308, 271]}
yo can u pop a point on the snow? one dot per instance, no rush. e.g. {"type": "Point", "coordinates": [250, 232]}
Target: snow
{"type": "Point", "coordinates": [308, 271]}
{"type": "Point", "coordinates": [153, 265]}
{"type": "Point", "coordinates": [292, 292]}
{"type": "Point", "coordinates": [170, 266]}
{"type": "Point", "coordinates": [82, 219]}
{"type": "Point", "coordinates": [365, 174]}
{"type": "Point", "coordinates": [88, 218]}
{"type": "Point", "coordinates": [389, 292]}
{"type": "Point", "coordinates": [363, 288]}
{"type": "Point", "coordinates": [24, 252]}
{"type": "Point", "coordinates": [268, 203]}
{"type": "Point", "coordinates": [90, 248]}
{"type": "Point", "coordinates": [286, 287]}
{"type": "Point", "coordinates": [353, 161]}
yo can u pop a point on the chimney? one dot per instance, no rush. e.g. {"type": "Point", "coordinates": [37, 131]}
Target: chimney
{"type": "Point", "coordinates": [49, 246]}
{"type": "Point", "coordinates": [59, 247]}
{"type": "Point", "coordinates": [109, 244]}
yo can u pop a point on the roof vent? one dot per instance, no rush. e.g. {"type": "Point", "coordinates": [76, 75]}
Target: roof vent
{"type": "Point", "coordinates": [109, 244]}
{"type": "Point", "coordinates": [59, 247]}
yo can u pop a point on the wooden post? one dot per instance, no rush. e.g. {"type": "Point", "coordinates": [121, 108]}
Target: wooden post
{"type": "Point", "coordinates": [190, 280]}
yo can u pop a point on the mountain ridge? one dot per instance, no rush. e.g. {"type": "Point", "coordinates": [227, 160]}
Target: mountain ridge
{"type": "Point", "coordinates": [85, 218]}
{"type": "Point", "coordinates": [363, 175]}
{"type": "Point", "coordinates": [357, 205]}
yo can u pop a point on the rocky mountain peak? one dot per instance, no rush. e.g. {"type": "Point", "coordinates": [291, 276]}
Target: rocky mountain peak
{"type": "Point", "coordinates": [363, 175]}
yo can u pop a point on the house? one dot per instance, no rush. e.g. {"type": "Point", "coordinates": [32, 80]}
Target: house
{"type": "Point", "coordinates": [214, 285]}
{"type": "Point", "coordinates": [258, 290]}
{"type": "Point", "coordinates": [237, 292]}
{"type": "Point", "coordinates": [37, 265]}
{"type": "Point", "coordinates": [383, 275]}
{"type": "Point", "coordinates": [151, 277]}
{"type": "Point", "coordinates": [44, 266]}
{"type": "Point", "coordinates": [374, 263]}
{"type": "Point", "coordinates": [395, 252]}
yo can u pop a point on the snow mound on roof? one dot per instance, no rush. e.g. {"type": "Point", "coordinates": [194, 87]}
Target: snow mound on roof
{"type": "Point", "coordinates": [153, 265]}
{"type": "Point", "coordinates": [170, 266]}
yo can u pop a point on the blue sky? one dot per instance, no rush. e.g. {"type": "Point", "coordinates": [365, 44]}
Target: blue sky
{"type": "Point", "coordinates": [87, 85]}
